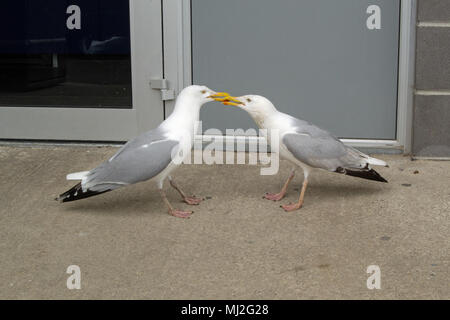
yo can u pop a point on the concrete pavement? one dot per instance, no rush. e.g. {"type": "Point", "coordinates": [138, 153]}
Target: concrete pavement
{"type": "Point", "coordinates": [235, 246]}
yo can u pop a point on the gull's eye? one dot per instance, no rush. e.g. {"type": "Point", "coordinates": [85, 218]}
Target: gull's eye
{"type": "Point", "coordinates": [249, 100]}
{"type": "Point", "coordinates": [203, 91]}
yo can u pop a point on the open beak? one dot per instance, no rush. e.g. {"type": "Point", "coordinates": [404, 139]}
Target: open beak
{"type": "Point", "coordinates": [226, 99]}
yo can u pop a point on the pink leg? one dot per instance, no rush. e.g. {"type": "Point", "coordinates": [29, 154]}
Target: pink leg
{"type": "Point", "coordinates": [189, 200]}
{"type": "Point", "coordinates": [294, 206]}
{"type": "Point", "coordinates": [172, 211]}
{"type": "Point", "coordinates": [282, 193]}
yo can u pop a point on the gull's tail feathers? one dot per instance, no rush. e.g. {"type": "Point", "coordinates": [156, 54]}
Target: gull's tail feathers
{"type": "Point", "coordinates": [77, 175]}
{"type": "Point", "coordinates": [377, 162]}
{"type": "Point", "coordinates": [368, 174]}
{"type": "Point", "coordinates": [77, 193]}
{"type": "Point", "coordinates": [368, 159]}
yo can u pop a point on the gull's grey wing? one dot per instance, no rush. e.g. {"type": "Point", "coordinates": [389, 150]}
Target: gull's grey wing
{"type": "Point", "coordinates": [319, 149]}
{"type": "Point", "coordinates": [138, 160]}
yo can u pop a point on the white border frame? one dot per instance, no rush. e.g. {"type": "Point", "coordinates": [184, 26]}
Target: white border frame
{"type": "Point", "coordinates": [177, 60]}
{"type": "Point", "coordinates": [406, 74]}
{"type": "Point", "coordinates": [98, 124]}
{"type": "Point", "coordinates": [177, 46]}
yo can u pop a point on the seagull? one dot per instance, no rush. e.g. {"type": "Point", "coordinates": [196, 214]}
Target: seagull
{"type": "Point", "coordinates": [151, 155]}
{"type": "Point", "coordinates": [304, 145]}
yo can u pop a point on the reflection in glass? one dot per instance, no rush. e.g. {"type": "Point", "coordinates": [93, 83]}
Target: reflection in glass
{"type": "Point", "coordinates": [56, 53]}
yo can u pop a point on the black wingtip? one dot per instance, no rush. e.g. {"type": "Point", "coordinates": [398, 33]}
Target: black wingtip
{"type": "Point", "coordinates": [364, 174]}
{"type": "Point", "coordinates": [77, 193]}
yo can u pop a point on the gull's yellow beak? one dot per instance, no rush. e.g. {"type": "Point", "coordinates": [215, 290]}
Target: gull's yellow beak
{"type": "Point", "coordinates": [226, 99]}
{"type": "Point", "coordinates": [219, 94]}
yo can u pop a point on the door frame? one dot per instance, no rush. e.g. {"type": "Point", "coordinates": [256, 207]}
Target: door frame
{"type": "Point", "coordinates": [103, 124]}
{"type": "Point", "coordinates": [178, 64]}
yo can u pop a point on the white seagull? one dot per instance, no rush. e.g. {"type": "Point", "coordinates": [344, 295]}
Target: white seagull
{"type": "Point", "coordinates": [305, 145]}
{"type": "Point", "coordinates": [150, 155]}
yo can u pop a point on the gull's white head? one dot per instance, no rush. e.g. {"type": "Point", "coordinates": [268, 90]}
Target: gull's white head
{"type": "Point", "coordinates": [200, 94]}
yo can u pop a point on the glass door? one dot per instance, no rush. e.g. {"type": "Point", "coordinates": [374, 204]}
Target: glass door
{"type": "Point", "coordinates": [79, 69]}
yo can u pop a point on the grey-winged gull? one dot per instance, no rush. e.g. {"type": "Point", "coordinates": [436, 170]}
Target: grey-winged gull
{"type": "Point", "coordinates": [305, 145]}
{"type": "Point", "coordinates": [152, 155]}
